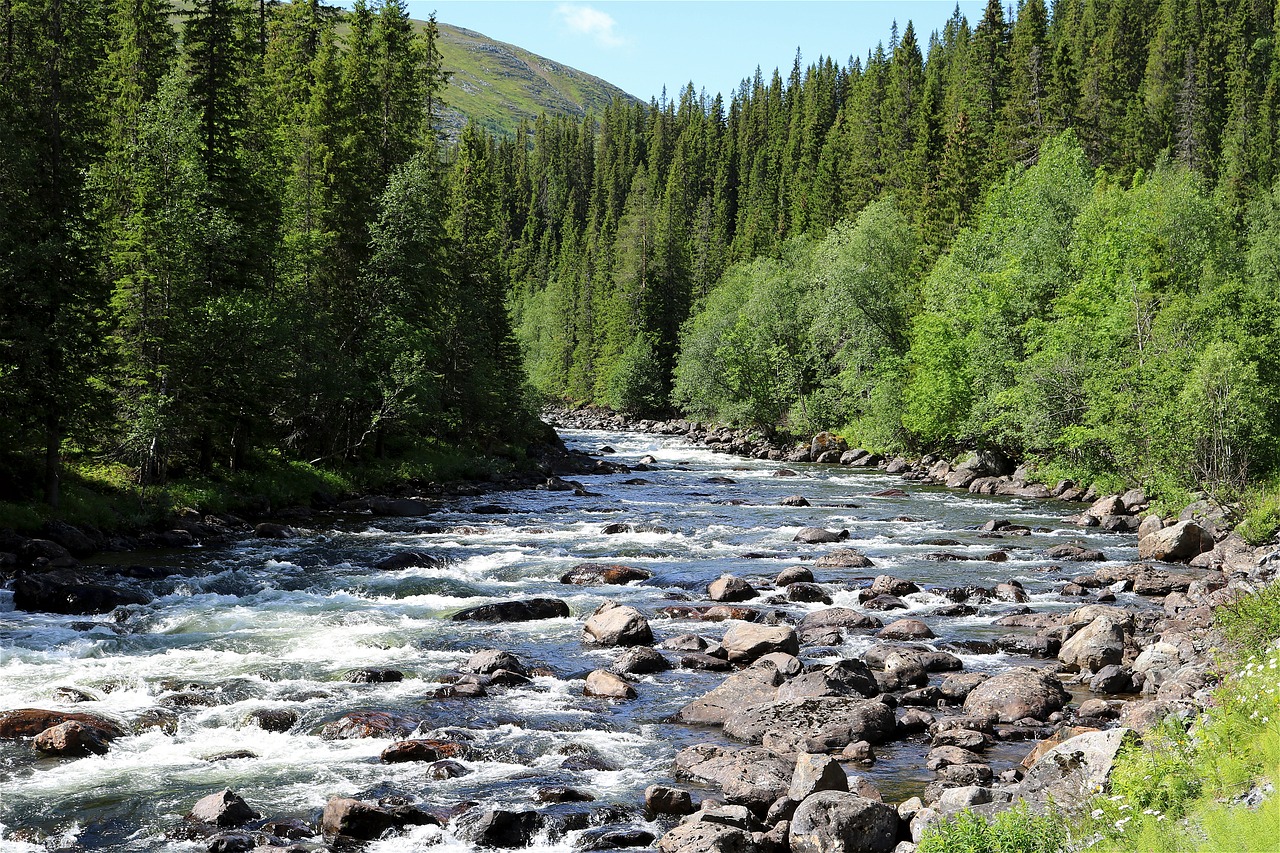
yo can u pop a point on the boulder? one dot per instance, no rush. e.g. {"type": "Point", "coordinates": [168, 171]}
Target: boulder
{"type": "Point", "coordinates": [225, 808]}
{"type": "Point", "coordinates": [818, 535]}
{"type": "Point", "coordinates": [729, 588]}
{"type": "Point", "coordinates": [889, 585]}
{"type": "Point", "coordinates": [703, 837]}
{"type": "Point", "coordinates": [1179, 542]}
{"type": "Point", "coordinates": [499, 827]}
{"type": "Point", "coordinates": [843, 678]}
{"type": "Point", "coordinates": [641, 660]}
{"type": "Point", "coordinates": [839, 822]}
{"type": "Point", "coordinates": [956, 688]}
{"type": "Point", "coordinates": [71, 739]}
{"type": "Point", "coordinates": [1150, 524]}
{"type": "Point", "coordinates": [1071, 772]}
{"type": "Point", "coordinates": [271, 530]}
{"type": "Point", "coordinates": [794, 500]}
{"type": "Point", "coordinates": [830, 720]}
{"type": "Point", "coordinates": [815, 773]}
{"type": "Point", "coordinates": [599, 574]}
{"type": "Point", "coordinates": [807, 593]}
{"type": "Point", "coordinates": [421, 750]}
{"type": "Point", "coordinates": [406, 560]}
{"type": "Point", "coordinates": [71, 593]}
{"type": "Point", "coordinates": [757, 685]}
{"type": "Point", "coordinates": [367, 724]}
{"type": "Point", "coordinates": [613, 624]}
{"type": "Point", "coordinates": [1111, 680]}
{"type": "Point", "coordinates": [843, 558]}
{"type": "Point", "coordinates": [272, 719]}
{"type": "Point", "coordinates": [1018, 694]}
{"type": "Point", "coordinates": [836, 617]}
{"type": "Point", "coordinates": [29, 722]}
{"type": "Point", "coordinates": [751, 777]}
{"type": "Point", "coordinates": [514, 611]}
{"type": "Point", "coordinates": [905, 629]}
{"type": "Point", "coordinates": [826, 442]}
{"type": "Point", "coordinates": [660, 799]}
{"type": "Point", "coordinates": [605, 685]}
{"type": "Point", "coordinates": [374, 675]}
{"type": "Point", "coordinates": [1098, 644]}
{"type": "Point", "coordinates": [492, 660]}
{"type": "Point", "coordinates": [745, 641]}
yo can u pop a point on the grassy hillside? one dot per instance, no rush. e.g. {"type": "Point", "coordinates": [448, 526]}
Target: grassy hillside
{"type": "Point", "coordinates": [500, 85]}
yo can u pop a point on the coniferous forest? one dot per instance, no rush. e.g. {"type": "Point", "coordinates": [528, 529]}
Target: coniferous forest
{"type": "Point", "coordinates": [234, 231]}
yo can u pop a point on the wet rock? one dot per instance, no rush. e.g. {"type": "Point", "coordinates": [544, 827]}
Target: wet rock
{"type": "Point", "coordinates": [661, 799]}
{"type": "Point", "coordinates": [751, 777]}
{"type": "Point", "coordinates": [616, 837]}
{"type": "Point", "coordinates": [685, 643]}
{"type": "Point", "coordinates": [489, 661]}
{"type": "Point", "coordinates": [499, 827]}
{"type": "Point", "coordinates": [956, 688]}
{"type": "Point", "coordinates": [1181, 541]}
{"type": "Point", "coordinates": [729, 588]}
{"type": "Point", "coordinates": [914, 720]}
{"type": "Point", "coordinates": [751, 687]}
{"type": "Point", "coordinates": [1098, 644]}
{"type": "Point", "coordinates": [231, 842]}
{"type": "Point", "coordinates": [367, 724]}
{"type": "Point", "coordinates": [843, 558]}
{"type": "Point", "coordinates": [613, 624]}
{"type": "Point", "coordinates": [708, 663]}
{"type": "Point", "coordinates": [885, 602]}
{"type": "Point", "coordinates": [599, 574]}
{"type": "Point", "coordinates": [1074, 553]}
{"type": "Point", "coordinates": [889, 585]}
{"type": "Point", "coordinates": [561, 794]}
{"type": "Point", "coordinates": [807, 593]}
{"type": "Point", "coordinates": [942, 756]}
{"type": "Point", "coordinates": [272, 719]}
{"type": "Point", "coordinates": [793, 574]}
{"type": "Point", "coordinates": [1111, 680]}
{"type": "Point", "coordinates": [231, 755]}
{"type": "Point", "coordinates": [837, 721]}
{"type": "Point", "coordinates": [859, 752]}
{"type": "Point", "coordinates": [905, 629]}
{"type": "Point", "coordinates": [446, 769]}
{"type": "Point", "coordinates": [1011, 591]}
{"type": "Point", "coordinates": [421, 750]}
{"type": "Point", "coordinates": [29, 722]}
{"type": "Point", "coordinates": [836, 617]}
{"type": "Point", "coordinates": [843, 678]}
{"type": "Point", "coordinates": [374, 675]}
{"type": "Point", "coordinates": [71, 739]}
{"type": "Point", "coordinates": [603, 684]}
{"type": "Point", "coordinates": [641, 660]}
{"type": "Point", "coordinates": [224, 808]}
{"type": "Point", "coordinates": [794, 500]}
{"type": "Point", "coordinates": [703, 837]}
{"type": "Point", "coordinates": [271, 530]}
{"type": "Point", "coordinates": [837, 822]}
{"type": "Point", "coordinates": [964, 738]}
{"type": "Point", "coordinates": [1017, 694]}
{"type": "Point", "coordinates": [817, 535]}
{"type": "Point", "coordinates": [1034, 645]}
{"type": "Point", "coordinates": [514, 611]}
{"type": "Point", "coordinates": [406, 560]}
{"type": "Point", "coordinates": [356, 819]}
{"type": "Point", "coordinates": [744, 642]}
{"type": "Point", "coordinates": [71, 593]}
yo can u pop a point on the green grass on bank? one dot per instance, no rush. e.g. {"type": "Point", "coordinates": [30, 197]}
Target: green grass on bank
{"type": "Point", "coordinates": [1205, 785]}
{"type": "Point", "coordinates": [107, 497]}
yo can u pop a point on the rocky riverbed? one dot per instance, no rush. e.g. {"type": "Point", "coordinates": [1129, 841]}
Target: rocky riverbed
{"type": "Point", "coordinates": [699, 643]}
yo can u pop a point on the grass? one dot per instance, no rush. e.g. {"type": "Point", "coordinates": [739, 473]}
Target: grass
{"type": "Point", "coordinates": [1261, 506]}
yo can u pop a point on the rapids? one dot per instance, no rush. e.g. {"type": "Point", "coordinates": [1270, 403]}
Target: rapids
{"type": "Point", "coordinates": [277, 624]}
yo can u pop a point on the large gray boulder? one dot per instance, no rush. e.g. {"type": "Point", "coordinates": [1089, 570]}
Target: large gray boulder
{"type": "Point", "coordinates": [704, 837]}
{"type": "Point", "coordinates": [839, 822]}
{"type": "Point", "coordinates": [1075, 769]}
{"type": "Point", "coordinates": [750, 777]}
{"type": "Point", "coordinates": [757, 685]}
{"type": "Point", "coordinates": [1018, 694]}
{"type": "Point", "coordinates": [746, 641]}
{"type": "Point", "coordinates": [1178, 542]}
{"type": "Point", "coordinates": [831, 721]}
{"type": "Point", "coordinates": [843, 678]}
{"type": "Point", "coordinates": [817, 535]}
{"type": "Point", "coordinates": [1098, 644]}
{"type": "Point", "coordinates": [618, 625]}
{"type": "Point", "coordinates": [815, 773]}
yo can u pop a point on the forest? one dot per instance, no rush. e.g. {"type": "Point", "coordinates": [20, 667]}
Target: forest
{"type": "Point", "coordinates": [234, 232]}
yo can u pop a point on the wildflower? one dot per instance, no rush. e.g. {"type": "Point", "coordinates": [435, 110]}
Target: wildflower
{"type": "Point", "coordinates": [1095, 814]}
{"type": "Point", "coordinates": [1121, 822]}
{"type": "Point", "coordinates": [1118, 797]}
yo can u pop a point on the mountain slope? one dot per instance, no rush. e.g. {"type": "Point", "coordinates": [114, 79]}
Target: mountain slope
{"type": "Point", "coordinates": [499, 86]}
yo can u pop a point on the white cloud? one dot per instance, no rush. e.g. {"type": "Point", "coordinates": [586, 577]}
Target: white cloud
{"type": "Point", "coordinates": [592, 23]}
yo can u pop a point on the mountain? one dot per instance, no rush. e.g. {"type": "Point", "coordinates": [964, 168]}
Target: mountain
{"type": "Point", "coordinates": [499, 85]}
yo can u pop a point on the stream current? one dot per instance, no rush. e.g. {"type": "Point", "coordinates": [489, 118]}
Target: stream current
{"type": "Point", "coordinates": [277, 624]}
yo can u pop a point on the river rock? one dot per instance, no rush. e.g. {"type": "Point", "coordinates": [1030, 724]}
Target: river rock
{"type": "Point", "coordinates": [793, 574]}
{"type": "Point", "coordinates": [272, 719]}
{"type": "Point", "coordinates": [889, 585]}
{"type": "Point", "coordinates": [815, 773]}
{"type": "Point", "coordinates": [1179, 542]}
{"type": "Point", "coordinates": [837, 721]}
{"type": "Point", "coordinates": [807, 593]}
{"type": "Point", "coordinates": [1111, 680]}
{"type": "Point", "coordinates": [225, 808]}
{"type": "Point", "coordinates": [956, 688]}
{"type": "Point", "coordinates": [1094, 646]}
{"type": "Point", "coordinates": [885, 603]}
{"type": "Point", "coordinates": [729, 588]}
{"type": "Point", "coordinates": [514, 611]}
{"type": "Point", "coordinates": [744, 641]}
{"type": "Point", "coordinates": [817, 535]}
{"type": "Point", "coordinates": [71, 593]}
{"type": "Point", "coordinates": [661, 799]}
{"type": "Point", "coordinates": [844, 558]}
{"type": "Point", "coordinates": [597, 574]}
{"type": "Point", "coordinates": [71, 739]}
{"type": "Point", "coordinates": [1018, 694]}
{"type": "Point", "coordinates": [839, 822]}
{"type": "Point", "coordinates": [271, 530]}
{"type": "Point", "coordinates": [753, 686]}
{"type": "Point", "coordinates": [603, 684]}
{"type": "Point", "coordinates": [614, 624]}
{"type": "Point", "coordinates": [794, 500]}
{"type": "Point", "coordinates": [499, 827]}
{"type": "Point", "coordinates": [1072, 771]}
{"type": "Point", "coordinates": [836, 617]}
{"type": "Point", "coordinates": [1074, 553]}
{"type": "Point", "coordinates": [406, 560]}
{"type": "Point", "coordinates": [421, 750]}
{"type": "Point", "coordinates": [374, 675]}
{"type": "Point", "coordinates": [29, 722]}
{"type": "Point", "coordinates": [367, 724]}
{"type": "Point", "coordinates": [751, 777]}
{"type": "Point", "coordinates": [641, 660]}
{"type": "Point", "coordinates": [488, 661]}
{"type": "Point", "coordinates": [905, 629]}
{"type": "Point", "coordinates": [356, 819]}
{"type": "Point", "coordinates": [843, 678]}
{"type": "Point", "coordinates": [703, 837]}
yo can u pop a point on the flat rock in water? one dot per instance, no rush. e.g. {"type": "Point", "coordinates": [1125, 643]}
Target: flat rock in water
{"type": "Point", "coordinates": [730, 589]}
{"type": "Point", "coordinates": [751, 777]}
{"type": "Point", "coordinates": [837, 617]}
{"type": "Point", "coordinates": [836, 721]}
{"type": "Point", "coordinates": [514, 611]}
{"type": "Point", "coordinates": [744, 641]}
{"type": "Point", "coordinates": [1018, 694]}
{"type": "Point", "coordinates": [366, 724]}
{"type": "Point", "coordinates": [606, 685]}
{"type": "Point", "coordinates": [843, 558]}
{"type": "Point", "coordinates": [599, 574]}
{"type": "Point", "coordinates": [71, 593]}
{"type": "Point", "coordinates": [405, 560]}
{"type": "Point", "coordinates": [749, 688]}
{"type": "Point", "coordinates": [29, 722]}
{"type": "Point", "coordinates": [817, 535]}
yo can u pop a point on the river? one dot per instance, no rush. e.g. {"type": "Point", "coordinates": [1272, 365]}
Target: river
{"type": "Point", "coordinates": [277, 624]}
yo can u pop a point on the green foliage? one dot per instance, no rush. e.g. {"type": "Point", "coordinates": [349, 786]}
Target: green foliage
{"type": "Point", "coordinates": [1251, 623]}
{"type": "Point", "coordinates": [1261, 520]}
{"type": "Point", "coordinates": [1017, 830]}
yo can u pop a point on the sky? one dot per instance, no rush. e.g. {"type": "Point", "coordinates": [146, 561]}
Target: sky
{"type": "Point", "coordinates": [643, 45]}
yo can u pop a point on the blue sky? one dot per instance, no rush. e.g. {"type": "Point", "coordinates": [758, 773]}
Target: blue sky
{"type": "Point", "coordinates": [643, 45]}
